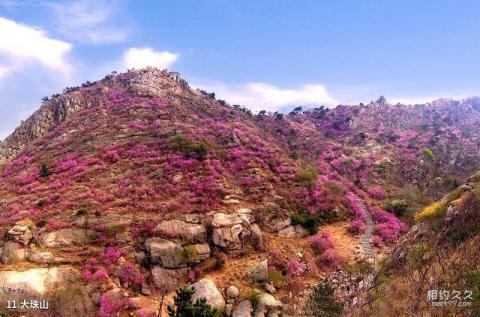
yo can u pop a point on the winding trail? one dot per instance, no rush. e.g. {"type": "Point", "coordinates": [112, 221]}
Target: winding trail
{"type": "Point", "coordinates": [365, 239]}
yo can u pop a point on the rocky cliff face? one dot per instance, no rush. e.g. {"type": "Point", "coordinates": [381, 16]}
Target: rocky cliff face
{"type": "Point", "coordinates": [148, 82]}
{"type": "Point", "coordinates": [51, 114]}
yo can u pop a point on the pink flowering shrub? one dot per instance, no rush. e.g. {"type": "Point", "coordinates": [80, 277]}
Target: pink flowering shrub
{"type": "Point", "coordinates": [356, 209]}
{"type": "Point", "coordinates": [130, 274]}
{"type": "Point", "coordinates": [295, 268]}
{"type": "Point", "coordinates": [17, 165]}
{"type": "Point", "coordinates": [69, 164]}
{"type": "Point", "coordinates": [143, 229]}
{"type": "Point", "coordinates": [111, 156]}
{"type": "Point", "coordinates": [109, 307]}
{"type": "Point", "coordinates": [100, 275]}
{"type": "Point", "coordinates": [27, 177]}
{"type": "Point", "coordinates": [53, 224]}
{"type": "Point", "coordinates": [90, 268]}
{"type": "Point", "coordinates": [357, 226]}
{"type": "Point", "coordinates": [330, 259]}
{"type": "Point", "coordinates": [321, 242]}
{"type": "Point", "coordinates": [111, 255]}
{"type": "Point", "coordinates": [376, 193]}
{"type": "Point", "coordinates": [387, 232]}
{"type": "Point", "coordinates": [376, 240]}
{"type": "Point", "coordinates": [277, 261]}
{"type": "Point", "coordinates": [388, 227]}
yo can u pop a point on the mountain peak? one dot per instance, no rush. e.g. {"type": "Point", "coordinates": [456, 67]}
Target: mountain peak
{"type": "Point", "coordinates": [152, 81]}
{"type": "Point", "coordinates": [145, 82]}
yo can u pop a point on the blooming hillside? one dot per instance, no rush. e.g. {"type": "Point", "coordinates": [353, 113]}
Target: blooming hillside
{"type": "Point", "coordinates": [137, 176]}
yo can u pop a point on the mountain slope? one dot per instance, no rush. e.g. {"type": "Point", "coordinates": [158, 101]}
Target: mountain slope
{"type": "Point", "coordinates": [434, 270]}
{"type": "Point", "coordinates": [137, 179]}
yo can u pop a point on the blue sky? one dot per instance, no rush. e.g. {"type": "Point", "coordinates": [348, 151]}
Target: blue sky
{"type": "Point", "coordinates": [267, 54]}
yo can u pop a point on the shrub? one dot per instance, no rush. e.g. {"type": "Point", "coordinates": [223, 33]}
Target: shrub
{"type": "Point", "coordinates": [306, 220]}
{"type": "Point", "coordinates": [356, 208]}
{"type": "Point", "coordinates": [189, 148]}
{"type": "Point", "coordinates": [321, 242]}
{"type": "Point", "coordinates": [388, 226]}
{"type": "Point", "coordinates": [376, 240]}
{"type": "Point", "coordinates": [54, 224]}
{"type": "Point", "coordinates": [398, 206]}
{"type": "Point", "coordinates": [359, 268]}
{"type": "Point", "coordinates": [143, 229]}
{"type": "Point", "coordinates": [330, 259]}
{"type": "Point", "coordinates": [188, 255]}
{"type": "Point", "coordinates": [295, 285]}
{"type": "Point", "coordinates": [276, 278]}
{"type": "Point", "coordinates": [307, 177]}
{"type": "Point", "coordinates": [183, 306]}
{"type": "Point", "coordinates": [322, 302]}
{"type": "Point", "coordinates": [429, 155]}
{"type": "Point", "coordinates": [277, 261]}
{"type": "Point", "coordinates": [436, 209]}
{"type": "Point", "coordinates": [111, 156]}
{"type": "Point", "coordinates": [388, 233]}
{"type": "Point", "coordinates": [68, 164]}
{"type": "Point", "coordinates": [100, 275]}
{"type": "Point", "coordinates": [357, 226]}
{"type": "Point", "coordinates": [459, 234]}
{"type": "Point", "coordinates": [111, 256]}
{"type": "Point", "coordinates": [44, 170]}
{"type": "Point", "coordinates": [376, 193]}
{"type": "Point", "coordinates": [219, 263]}
{"type": "Point", "coordinates": [131, 275]}
{"type": "Point", "coordinates": [295, 268]}
{"type": "Point", "coordinates": [110, 307]}
{"type": "Point", "coordinates": [254, 297]}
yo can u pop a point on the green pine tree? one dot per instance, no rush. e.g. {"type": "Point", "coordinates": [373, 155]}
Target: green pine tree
{"type": "Point", "coordinates": [185, 308]}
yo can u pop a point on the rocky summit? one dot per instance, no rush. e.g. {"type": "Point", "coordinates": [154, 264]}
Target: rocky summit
{"type": "Point", "coordinates": [117, 194]}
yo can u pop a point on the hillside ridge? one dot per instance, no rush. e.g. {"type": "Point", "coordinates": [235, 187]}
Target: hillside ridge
{"type": "Point", "coordinates": [132, 186]}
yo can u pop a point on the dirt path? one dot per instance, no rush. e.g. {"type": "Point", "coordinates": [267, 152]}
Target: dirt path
{"type": "Point", "coordinates": [365, 240]}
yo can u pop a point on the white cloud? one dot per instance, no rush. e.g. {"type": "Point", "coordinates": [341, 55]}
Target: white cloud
{"type": "Point", "coordinates": [21, 44]}
{"type": "Point", "coordinates": [89, 21]}
{"type": "Point", "coordinates": [142, 57]}
{"type": "Point", "coordinates": [262, 96]}
{"type": "Point", "coordinates": [3, 71]}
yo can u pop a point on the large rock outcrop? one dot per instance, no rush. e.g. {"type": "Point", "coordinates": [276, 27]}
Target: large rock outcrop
{"type": "Point", "coordinates": [205, 288]}
{"type": "Point", "coordinates": [165, 252]}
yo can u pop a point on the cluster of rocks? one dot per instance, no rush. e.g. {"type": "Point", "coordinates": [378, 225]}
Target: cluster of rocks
{"type": "Point", "coordinates": [152, 82]}
{"type": "Point", "coordinates": [231, 231]}
{"type": "Point", "coordinates": [24, 240]}
{"type": "Point", "coordinates": [181, 239]}
{"type": "Point", "coordinates": [185, 240]}
{"type": "Point", "coordinates": [284, 227]}
{"type": "Point", "coordinates": [265, 304]}
{"type": "Point", "coordinates": [453, 211]}
{"type": "Point", "coordinates": [350, 289]}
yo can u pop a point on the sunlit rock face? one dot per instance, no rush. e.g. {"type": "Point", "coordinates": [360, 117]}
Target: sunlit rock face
{"type": "Point", "coordinates": [42, 291]}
